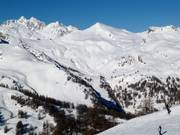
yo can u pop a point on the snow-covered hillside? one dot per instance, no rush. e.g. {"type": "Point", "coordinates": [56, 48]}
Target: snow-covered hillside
{"type": "Point", "coordinates": [9, 114]}
{"type": "Point", "coordinates": [149, 124]}
{"type": "Point", "coordinates": [98, 65]}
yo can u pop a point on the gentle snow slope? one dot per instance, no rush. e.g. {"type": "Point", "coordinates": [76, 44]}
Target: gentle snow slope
{"type": "Point", "coordinates": [149, 124]}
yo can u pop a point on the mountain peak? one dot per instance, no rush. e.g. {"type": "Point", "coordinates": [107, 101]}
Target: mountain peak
{"type": "Point", "coordinates": [55, 25]}
{"type": "Point", "coordinates": [31, 23]}
{"type": "Point", "coordinates": [56, 29]}
{"type": "Point", "coordinates": [98, 25]}
{"type": "Point", "coordinates": [34, 20]}
{"type": "Point", "coordinates": [106, 31]}
{"type": "Point", "coordinates": [34, 27]}
{"type": "Point", "coordinates": [162, 29]}
{"type": "Point", "coordinates": [22, 19]}
{"type": "Point", "coordinates": [106, 28]}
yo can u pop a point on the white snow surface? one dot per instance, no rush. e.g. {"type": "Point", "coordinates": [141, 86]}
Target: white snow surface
{"type": "Point", "coordinates": [149, 124]}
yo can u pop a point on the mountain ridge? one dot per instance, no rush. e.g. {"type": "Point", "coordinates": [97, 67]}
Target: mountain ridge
{"type": "Point", "coordinates": [34, 20]}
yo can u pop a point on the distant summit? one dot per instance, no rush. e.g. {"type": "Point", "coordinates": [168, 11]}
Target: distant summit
{"type": "Point", "coordinates": [31, 23]}
{"type": "Point", "coordinates": [36, 28]}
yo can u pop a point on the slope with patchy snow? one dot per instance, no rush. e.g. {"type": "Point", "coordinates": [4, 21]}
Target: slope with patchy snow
{"type": "Point", "coordinates": [9, 110]}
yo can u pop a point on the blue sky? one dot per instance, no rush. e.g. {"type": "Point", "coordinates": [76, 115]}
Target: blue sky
{"type": "Point", "coordinates": [133, 15]}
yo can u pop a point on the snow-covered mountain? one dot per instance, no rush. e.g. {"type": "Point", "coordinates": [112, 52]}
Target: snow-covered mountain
{"type": "Point", "coordinates": [35, 29]}
{"type": "Point", "coordinates": [99, 65]}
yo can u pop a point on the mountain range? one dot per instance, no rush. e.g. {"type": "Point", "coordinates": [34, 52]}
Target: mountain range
{"type": "Point", "coordinates": [101, 66]}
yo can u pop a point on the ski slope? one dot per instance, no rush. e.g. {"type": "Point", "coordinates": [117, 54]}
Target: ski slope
{"type": "Point", "coordinates": [149, 124]}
